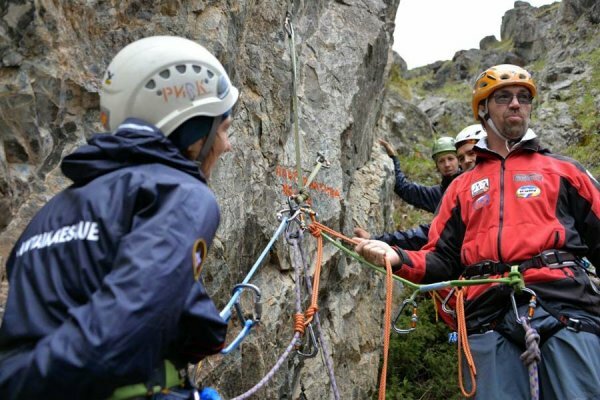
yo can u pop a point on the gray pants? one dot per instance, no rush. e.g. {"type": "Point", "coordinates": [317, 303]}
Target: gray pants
{"type": "Point", "coordinates": [569, 370]}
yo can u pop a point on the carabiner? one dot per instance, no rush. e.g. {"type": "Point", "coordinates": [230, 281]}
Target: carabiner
{"type": "Point", "coordinates": [413, 319]}
{"type": "Point", "coordinates": [532, 304]}
{"type": "Point", "coordinates": [257, 304]}
{"type": "Point", "coordinates": [247, 322]}
{"type": "Point", "coordinates": [445, 302]}
{"type": "Point", "coordinates": [313, 345]}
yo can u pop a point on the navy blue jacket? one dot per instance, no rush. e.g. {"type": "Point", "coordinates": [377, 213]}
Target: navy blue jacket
{"type": "Point", "coordinates": [424, 197]}
{"type": "Point", "coordinates": [411, 239]}
{"type": "Point", "coordinates": [102, 283]}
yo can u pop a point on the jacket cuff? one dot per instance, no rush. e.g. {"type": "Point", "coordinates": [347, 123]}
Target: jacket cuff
{"type": "Point", "coordinates": [402, 256]}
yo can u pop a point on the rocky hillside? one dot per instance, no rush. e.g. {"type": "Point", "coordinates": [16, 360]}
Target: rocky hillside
{"type": "Point", "coordinates": [559, 43]}
{"type": "Point", "coordinates": [351, 91]}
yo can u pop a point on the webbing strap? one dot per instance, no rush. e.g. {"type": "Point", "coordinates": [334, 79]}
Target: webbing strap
{"type": "Point", "coordinates": [546, 258]}
{"type": "Point", "coordinates": [171, 378]}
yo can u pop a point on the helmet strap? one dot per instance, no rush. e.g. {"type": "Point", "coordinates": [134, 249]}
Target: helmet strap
{"type": "Point", "coordinates": [210, 139]}
{"type": "Point", "coordinates": [485, 116]}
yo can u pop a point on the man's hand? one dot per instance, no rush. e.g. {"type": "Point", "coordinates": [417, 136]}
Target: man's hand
{"type": "Point", "coordinates": [361, 233]}
{"type": "Point", "coordinates": [375, 251]}
{"type": "Point", "coordinates": [389, 149]}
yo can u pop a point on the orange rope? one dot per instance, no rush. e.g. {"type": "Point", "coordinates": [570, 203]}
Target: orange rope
{"type": "Point", "coordinates": [315, 228]}
{"type": "Point", "coordinates": [389, 286]}
{"type": "Point", "coordinates": [463, 345]}
{"type": "Point", "coordinates": [299, 324]}
{"type": "Point", "coordinates": [436, 298]}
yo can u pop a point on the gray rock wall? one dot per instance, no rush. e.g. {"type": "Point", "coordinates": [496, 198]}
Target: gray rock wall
{"type": "Point", "coordinates": [54, 52]}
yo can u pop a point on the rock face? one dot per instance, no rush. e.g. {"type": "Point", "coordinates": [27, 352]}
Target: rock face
{"type": "Point", "coordinates": [557, 42]}
{"type": "Point", "coordinates": [52, 57]}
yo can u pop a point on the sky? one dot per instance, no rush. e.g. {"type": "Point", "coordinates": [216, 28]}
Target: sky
{"type": "Point", "coordinates": [433, 30]}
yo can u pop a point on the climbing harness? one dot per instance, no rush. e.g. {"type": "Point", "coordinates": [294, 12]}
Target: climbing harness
{"type": "Point", "coordinates": [514, 279]}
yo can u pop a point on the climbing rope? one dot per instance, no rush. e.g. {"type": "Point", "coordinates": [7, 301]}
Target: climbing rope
{"type": "Point", "coordinates": [299, 328]}
{"type": "Point", "coordinates": [514, 279]}
{"type": "Point", "coordinates": [532, 355]}
{"type": "Point", "coordinates": [316, 229]}
{"type": "Point", "coordinates": [326, 353]}
{"type": "Point", "coordinates": [463, 346]}
{"type": "Point", "coordinates": [389, 285]}
{"type": "Point", "coordinates": [273, 370]}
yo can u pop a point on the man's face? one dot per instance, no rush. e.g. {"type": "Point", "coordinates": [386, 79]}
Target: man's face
{"type": "Point", "coordinates": [466, 155]}
{"type": "Point", "coordinates": [447, 163]}
{"type": "Point", "coordinates": [510, 109]}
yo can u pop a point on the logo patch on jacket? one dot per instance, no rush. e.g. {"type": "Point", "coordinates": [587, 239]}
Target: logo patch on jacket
{"type": "Point", "coordinates": [528, 191]}
{"type": "Point", "coordinates": [482, 202]}
{"type": "Point", "coordinates": [479, 187]}
{"type": "Point", "coordinates": [198, 257]}
{"type": "Point", "coordinates": [528, 178]}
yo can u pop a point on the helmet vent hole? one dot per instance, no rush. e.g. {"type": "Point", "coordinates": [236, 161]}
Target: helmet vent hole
{"type": "Point", "coordinates": [504, 76]}
{"type": "Point", "coordinates": [165, 74]}
{"type": "Point", "coordinates": [197, 68]}
{"type": "Point", "coordinates": [482, 84]}
{"type": "Point", "coordinates": [151, 84]}
{"type": "Point", "coordinates": [522, 76]}
{"type": "Point", "coordinates": [181, 69]}
{"type": "Point", "coordinates": [492, 77]}
{"type": "Point", "coordinates": [209, 73]}
{"type": "Point", "coordinates": [222, 87]}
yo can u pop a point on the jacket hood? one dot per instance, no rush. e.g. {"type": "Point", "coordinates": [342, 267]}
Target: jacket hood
{"type": "Point", "coordinates": [133, 143]}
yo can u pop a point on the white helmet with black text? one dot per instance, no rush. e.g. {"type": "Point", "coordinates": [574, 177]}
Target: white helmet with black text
{"type": "Point", "coordinates": [164, 80]}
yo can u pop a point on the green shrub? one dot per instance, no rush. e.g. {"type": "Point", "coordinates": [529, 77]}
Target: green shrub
{"type": "Point", "coordinates": [422, 364]}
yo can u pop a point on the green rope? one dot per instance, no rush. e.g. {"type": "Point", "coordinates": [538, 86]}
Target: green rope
{"type": "Point", "coordinates": [514, 279]}
{"type": "Point", "coordinates": [355, 255]}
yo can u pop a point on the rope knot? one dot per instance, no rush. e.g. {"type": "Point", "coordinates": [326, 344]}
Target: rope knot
{"type": "Point", "coordinates": [314, 230]}
{"type": "Point", "coordinates": [299, 324]}
{"type": "Point", "coordinates": [532, 354]}
{"type": "Point", "coordinates": [309, 314]}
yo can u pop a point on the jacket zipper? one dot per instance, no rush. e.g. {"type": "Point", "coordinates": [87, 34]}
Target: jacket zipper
{"type": "Point", "coordinates": [501, 216]}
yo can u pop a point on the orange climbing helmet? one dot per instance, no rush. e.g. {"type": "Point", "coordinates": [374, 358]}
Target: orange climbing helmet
{"type": "Point", "coordinates": [496, 77]}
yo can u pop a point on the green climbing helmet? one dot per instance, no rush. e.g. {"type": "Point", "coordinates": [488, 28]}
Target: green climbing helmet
{"type": "Point", "coordinates": [445, 144]}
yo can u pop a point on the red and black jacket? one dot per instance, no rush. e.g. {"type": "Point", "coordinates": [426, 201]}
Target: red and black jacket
{"type": "Point", "coordinates": [508, 210]}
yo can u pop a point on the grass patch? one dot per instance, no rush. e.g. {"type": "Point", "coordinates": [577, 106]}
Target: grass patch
{"type": "Point", "coordinates": [399, 84]}
{"type": "Point", "coordinates": [504, 45]}
{"type": "Point", "coordinates": [545, 10]}
{"type": "Point", "coordinates": [586, 152]}
{"type": "Point", "coordinates": [583, 106]}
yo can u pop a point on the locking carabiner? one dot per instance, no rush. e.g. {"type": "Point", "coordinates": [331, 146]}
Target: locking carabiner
{"type": "Point", "coordinates": [413, 319]}
{"type": "Point", "coordinates": [532, 304]}
{"type": "Point", "coordinates": [311, 342]}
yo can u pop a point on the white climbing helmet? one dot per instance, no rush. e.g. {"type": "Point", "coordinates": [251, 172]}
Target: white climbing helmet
{"type": "Point", "coordinates": [164, 80]}
{"type": "Point", "coordinates": [471, 132]}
